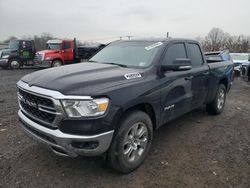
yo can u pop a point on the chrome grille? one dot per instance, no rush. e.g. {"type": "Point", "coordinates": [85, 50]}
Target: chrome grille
{"type": "Point", "coordinates": [39, 109]}
{"type": "Point", "coordinates": [38, 57]}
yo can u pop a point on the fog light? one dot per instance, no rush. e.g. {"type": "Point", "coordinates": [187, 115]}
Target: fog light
{"type": "Point", "coordinates": [85, 145]}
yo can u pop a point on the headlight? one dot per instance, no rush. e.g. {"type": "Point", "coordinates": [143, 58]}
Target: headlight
{"type": "Point", "coordinates": [5, 56]}
{"type": "Point", "coordinates": [48, 58]}
{"type": "Point", "coordinates": [81, 108]}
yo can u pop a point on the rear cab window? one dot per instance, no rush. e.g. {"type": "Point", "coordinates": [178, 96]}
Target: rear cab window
{"type": "Point", "coordinates": [195, 54]}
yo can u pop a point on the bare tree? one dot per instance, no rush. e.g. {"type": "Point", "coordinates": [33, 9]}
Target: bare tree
{"type": "Point", "coordinates": [9, 39]}
{"type": "Point", "coordinates": [216, 39]}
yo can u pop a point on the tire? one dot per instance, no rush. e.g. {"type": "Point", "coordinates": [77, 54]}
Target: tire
{"type": "Point", "coordinates": [217, 105]}
{"type": "Point", "coordinates": [131, 142]}
{"type": "Point", "coordinates": [14, 64]}
{"type": "Point", "coordinates": [56, 63]}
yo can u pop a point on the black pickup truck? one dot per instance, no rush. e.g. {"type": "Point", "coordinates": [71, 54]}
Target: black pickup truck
{"type": "Point", "coordinates": [112, 104]}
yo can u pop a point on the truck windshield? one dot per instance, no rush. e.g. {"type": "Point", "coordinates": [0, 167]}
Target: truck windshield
{"type": "Point", "coordinates": [13, 45]}
{"type": "Point", "coordinates": [54, 46]}
{"type": "Point", "coordinates": [128, 53]}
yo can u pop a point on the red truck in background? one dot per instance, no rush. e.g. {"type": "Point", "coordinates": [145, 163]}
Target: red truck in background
{"type": "Point", "coordinates": [61, 52]}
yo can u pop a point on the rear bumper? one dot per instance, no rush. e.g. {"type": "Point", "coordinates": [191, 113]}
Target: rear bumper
{"type": "Point", "coordinates": [66, 144]}
{"type": "Point", "coordinates": [3, 62]}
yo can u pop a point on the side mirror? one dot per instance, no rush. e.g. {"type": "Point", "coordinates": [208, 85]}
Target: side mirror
{"type": "Point", "coordinates": [179, 64]}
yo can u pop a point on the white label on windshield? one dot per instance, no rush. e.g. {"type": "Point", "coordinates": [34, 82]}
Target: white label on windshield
{"type": "Point", "coordinates": [130, 76]}
{"type": "Point", "coordinates": [152, 46]}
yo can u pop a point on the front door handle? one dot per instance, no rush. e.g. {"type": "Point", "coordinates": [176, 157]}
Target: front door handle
{"type": "Point", "coordinates": [188, 78]}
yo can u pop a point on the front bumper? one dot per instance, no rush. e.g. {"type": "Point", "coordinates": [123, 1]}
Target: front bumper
{"type": "Point", "coordinates": [44, 63]}
{"type": "Point", "coordinates": [63, 144]}
{"type": "Point", "coordinates": [3, 62]}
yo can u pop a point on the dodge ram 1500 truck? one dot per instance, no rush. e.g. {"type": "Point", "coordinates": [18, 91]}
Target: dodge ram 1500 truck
{"type": "Point", "coordinates": [112, 104]}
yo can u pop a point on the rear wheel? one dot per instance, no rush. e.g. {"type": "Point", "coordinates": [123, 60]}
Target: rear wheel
{"type": "Point", "coordinates": [217, 105]}
{"type": "Point", "coordinates": [56, 63]}
{"type": "Point", "coordinates": [131, 142]}
{"type": "Point", "coordinates": [14, 63]}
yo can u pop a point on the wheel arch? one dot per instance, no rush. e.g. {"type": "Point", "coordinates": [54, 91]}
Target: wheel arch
{"type": "Point", "coordinates": [15, 57]}
{"type": "Point", "coordinates": [57, 59]}
{"type": "Point", "coordinates": [224, 81]}
{"type": "Point", "coordinates": [144, 107]}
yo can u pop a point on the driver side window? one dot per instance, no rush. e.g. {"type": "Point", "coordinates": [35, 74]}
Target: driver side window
{"type": "Point", "coordinates": [173, 52]}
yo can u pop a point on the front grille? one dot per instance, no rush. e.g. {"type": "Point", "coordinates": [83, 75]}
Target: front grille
{"type": "Point", "coordinates": [38, 57]}
{"type": "Point", "coordinates": [40, 109]}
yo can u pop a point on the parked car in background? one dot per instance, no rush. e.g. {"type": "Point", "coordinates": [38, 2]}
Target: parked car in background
{"type": "Point", "coordinates": [62, 52]}
{"type": "Point", "coordinates": [218, 56]}
{"type": "Point", "coordinates": [112, 104]}
{"type": "Point", "coordinates": [18, 54]}
{"type": "Point", "coordinates": [239, 59]}
{"type": "Point", "coordinates": [245, 70]}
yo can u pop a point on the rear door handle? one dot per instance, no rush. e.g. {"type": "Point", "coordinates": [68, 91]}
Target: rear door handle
{"type": "Point", "coordinates": [188, 78]}
{"type": "Point", "coordinates": [205, 73]}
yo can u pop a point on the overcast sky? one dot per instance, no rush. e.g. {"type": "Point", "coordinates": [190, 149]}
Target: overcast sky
{"type": "Point", "coordinates": [99, 20]}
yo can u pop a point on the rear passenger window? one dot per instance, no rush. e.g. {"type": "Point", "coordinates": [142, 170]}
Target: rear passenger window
{"type": "Point", "coordinates": [195, 54]}
{"type": "Point", "coordinates": [173, 52]}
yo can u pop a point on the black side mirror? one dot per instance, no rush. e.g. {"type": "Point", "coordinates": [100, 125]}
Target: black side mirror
{"type": "Point", "coordinates": [179, 64]}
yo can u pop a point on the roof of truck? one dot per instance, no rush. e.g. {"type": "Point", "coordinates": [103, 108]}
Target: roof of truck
{"type": "Point", "coordinates": [56, 41]}
{"type": "Point", "coordinates": [157, 40]}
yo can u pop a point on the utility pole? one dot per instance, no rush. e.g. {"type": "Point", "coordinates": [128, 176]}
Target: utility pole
{"type": "Point", "coordinates": [167, 34]}
{"type": "Point", "coordinates": [129, 37]}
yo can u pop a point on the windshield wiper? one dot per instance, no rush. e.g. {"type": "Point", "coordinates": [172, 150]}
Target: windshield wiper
{"type": "Point", "coordinates": [121, 65]}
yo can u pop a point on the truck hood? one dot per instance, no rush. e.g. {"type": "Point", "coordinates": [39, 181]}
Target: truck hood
{"type": "Point", "coordinates": [240, 61]}
{"type": "Point", "coordinates": [6, 52]}
{"type": "Point", "coordinates": [84, 78]}
{"type": "Point", "coordinates": [48, 52]}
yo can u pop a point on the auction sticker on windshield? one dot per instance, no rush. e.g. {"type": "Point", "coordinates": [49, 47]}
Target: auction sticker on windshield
{"type": "Point", "coordinates": [152, 46]}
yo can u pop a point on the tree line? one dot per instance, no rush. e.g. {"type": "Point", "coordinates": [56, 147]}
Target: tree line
{"type": "Point", "coordinates": [215, 40]}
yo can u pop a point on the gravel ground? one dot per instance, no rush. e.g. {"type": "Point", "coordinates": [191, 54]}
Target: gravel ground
{"type": "Point", "coordinates": [197, 150]}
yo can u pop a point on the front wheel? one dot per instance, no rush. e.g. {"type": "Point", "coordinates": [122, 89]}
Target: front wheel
{"type": "Point", "coordinates": [217, 105]}
{"type": "Point", "coordinates": [14, 63]}
{"type": "Point", "coordinates": [56, 63]}
{"type": "Point", "coordinates": [131, 142]}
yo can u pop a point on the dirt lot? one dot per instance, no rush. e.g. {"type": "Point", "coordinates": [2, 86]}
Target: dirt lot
{"type": "Point", "coordinates": [197, 150]}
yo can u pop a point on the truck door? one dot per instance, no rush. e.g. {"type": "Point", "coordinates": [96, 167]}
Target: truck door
{"type": "Point", "coordinates": [67, 52]}
{"type": "Point", "coordinates": [200, 73]}
{"type": "Point", "coordinates": [26, 51]}
{"type": "Point", "coordinates": [176, 93]}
